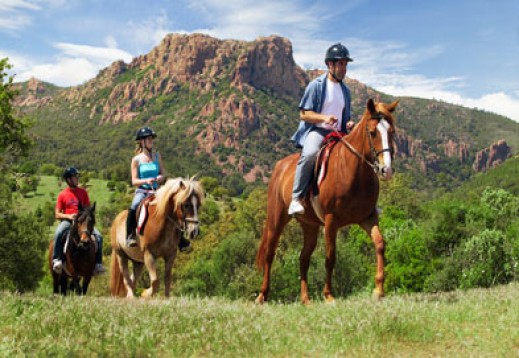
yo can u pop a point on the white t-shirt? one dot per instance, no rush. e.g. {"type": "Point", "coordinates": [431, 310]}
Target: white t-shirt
{"type": "Point", "coordinates": [333, 103]}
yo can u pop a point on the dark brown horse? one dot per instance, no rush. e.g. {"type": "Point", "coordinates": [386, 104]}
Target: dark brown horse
{"type": "Point", "coordinates": [80, 254]}
{"type": "Point", "coordinates": [174, 210]}
{"type": "Point", "coordinates": [347, 195]}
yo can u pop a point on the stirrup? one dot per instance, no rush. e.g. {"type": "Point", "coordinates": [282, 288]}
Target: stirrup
{"type": "Point", "coordinates": [131, 241]}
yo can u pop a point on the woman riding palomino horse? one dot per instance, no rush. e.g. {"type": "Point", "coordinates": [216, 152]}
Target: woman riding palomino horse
{"type": "Point", "coordinates": [347, 195]}
{"type": "Point", "coordinates": [172, 213]}
{"type": "Point", "coordinates": [80, 254]}
{"type": "Point", "coordinates": [147, 172]}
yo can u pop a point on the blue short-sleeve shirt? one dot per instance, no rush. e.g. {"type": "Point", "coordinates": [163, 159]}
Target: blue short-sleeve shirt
{"type": "Point", "coordinates": [313, 100]}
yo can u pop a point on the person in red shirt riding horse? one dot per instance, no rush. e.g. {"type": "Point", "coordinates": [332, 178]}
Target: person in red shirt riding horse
{"type": "Point", "coordinates": [67, 206]}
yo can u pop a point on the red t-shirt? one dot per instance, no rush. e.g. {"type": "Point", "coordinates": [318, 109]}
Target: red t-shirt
{"type": "Point", "coordinates": [67, 201]}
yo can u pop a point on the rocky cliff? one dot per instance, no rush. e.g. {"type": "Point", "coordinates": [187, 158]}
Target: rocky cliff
{"type": "Point", "coordinates": [237, 102]}
{"type": "Point", "coordinates": [492, 156]}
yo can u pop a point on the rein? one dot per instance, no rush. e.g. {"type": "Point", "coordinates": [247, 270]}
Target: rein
{"type": "Point", "coordinates": [376, 165]}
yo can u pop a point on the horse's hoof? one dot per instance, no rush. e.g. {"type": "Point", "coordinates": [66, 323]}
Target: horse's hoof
{"type": "Point", "coordinates": [377, 294]}
{"type": "Point", "coordinates": [260, 299]}
{"type": "Point", "coordinates": [147, 293]}
{"type": "Point", "coordinates": [329, 300]}
{"type": "Point", "coordinates": [307, 302]}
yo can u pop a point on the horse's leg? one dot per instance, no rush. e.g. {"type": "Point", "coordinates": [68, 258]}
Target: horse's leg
{"type": "Point", "coordinates": [277, 218]}
{"type": "Point", "coordinates": [86, 282]}
{"type": "Point", "coordinates": [150, 262]}
{"type": "Point", "coordinates": [128, 283]}
{"type": "Point", "coordinates": [168, 266]}
{"type": "Point", "coordinates": [310, 233]}
{"type": "Point", "coordinates": [63, 284]}
{"type": "Point", "coordinates": [330, 235]}
{"type": "Point", "coordinates": [138, 267]}
{"type": "Point", "coordinates": [371, 227]}
{"type": "Point", "coordinates": [55, 283]}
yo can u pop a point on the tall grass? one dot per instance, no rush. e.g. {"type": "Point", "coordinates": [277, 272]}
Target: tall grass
{"type": "Point", "coordinates": [483, 322]}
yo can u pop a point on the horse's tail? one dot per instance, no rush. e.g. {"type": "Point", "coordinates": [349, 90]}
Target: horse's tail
{"type": "Point", "coordinates": [116, 278]}
{"type": "Point", "coordinates": [117, 287]}
{"type": "Point", "coordinates": [262, 249]}
{"type": "Point", "coordinates": [276, 220]}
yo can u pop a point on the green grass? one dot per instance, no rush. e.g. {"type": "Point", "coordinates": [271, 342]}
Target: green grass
{"type": "Point", "coordinates": [481, 322]}
{"type": "Point", "coordinates": [49, 187]}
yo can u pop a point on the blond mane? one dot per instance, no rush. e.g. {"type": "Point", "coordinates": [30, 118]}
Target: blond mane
{"type": "Point", "coordinates": [182, 189]}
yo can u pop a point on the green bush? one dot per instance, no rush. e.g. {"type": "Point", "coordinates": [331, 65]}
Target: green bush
{"type": "Point", "coordinates": [23, 241]}
{"type": "Point", "coordinates": [485, 261]}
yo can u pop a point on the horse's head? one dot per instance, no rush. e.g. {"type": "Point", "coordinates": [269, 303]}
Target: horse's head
{"type": "Point", "coordinates": [185, 197]}
{"type": "Point", "coordinates": [380, 130]}
{"type": "Point", "coordinates": [83, 225]}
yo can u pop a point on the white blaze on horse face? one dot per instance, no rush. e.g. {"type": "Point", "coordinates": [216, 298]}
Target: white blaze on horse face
{"type": "Point", "coordinates": [383, 128]}
{"type": "Point", "coordinates": [192, 225]}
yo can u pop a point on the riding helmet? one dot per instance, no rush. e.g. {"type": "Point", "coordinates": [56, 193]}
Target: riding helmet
{"type": "Point", "coordinates": [337, 52]}
{"type": "Point", "coordinates": [145, 132]}
{"type": "Point", "coordinates": [70, 172]}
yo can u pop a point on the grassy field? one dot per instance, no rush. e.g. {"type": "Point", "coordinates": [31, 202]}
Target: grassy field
{"type": "Point", "coordinates": [49, 188]}
{"type": "Point", "coordinates": [476, 323]}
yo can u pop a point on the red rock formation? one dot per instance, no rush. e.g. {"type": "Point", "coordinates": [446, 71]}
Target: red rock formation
{"type": "Point", "coordinates": [492, 156]}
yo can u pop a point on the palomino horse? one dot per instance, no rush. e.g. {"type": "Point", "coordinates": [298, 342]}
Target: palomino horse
{"type": "Point", "coordinates": [80, 253]}
{"type": "Point", "coordinates": [347, 195]}
{"type": "Point", "coordinates": [173, 211]}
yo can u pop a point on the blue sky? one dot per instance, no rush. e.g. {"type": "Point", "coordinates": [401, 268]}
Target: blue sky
{"type": "Point", "coordinates": [460, 51]}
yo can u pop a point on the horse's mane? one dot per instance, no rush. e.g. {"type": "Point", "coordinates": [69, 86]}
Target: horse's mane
{"type": "Point", "coordinates": [182, 189]}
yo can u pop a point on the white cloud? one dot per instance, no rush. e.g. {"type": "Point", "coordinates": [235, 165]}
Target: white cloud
{"type": "Point", "coordinates": [14, 5]}
{"type": "Point", "coordinates": [148, 33]}
{"type": "Point", "coordinates": [97, 55]}
{"type": "Point", "coordinates": [74, 64]}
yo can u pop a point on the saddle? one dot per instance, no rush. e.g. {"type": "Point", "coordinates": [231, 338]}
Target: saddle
{"type": "Point", "coordinates": [143, 214]}
{"type": "Point", "coordinates": [321, 164]}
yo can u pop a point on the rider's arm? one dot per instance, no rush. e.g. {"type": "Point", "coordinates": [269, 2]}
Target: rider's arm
{"type": "Point", "coordinates": [60, 215]}
{"type": "Point", "coordinates": [315, 118]}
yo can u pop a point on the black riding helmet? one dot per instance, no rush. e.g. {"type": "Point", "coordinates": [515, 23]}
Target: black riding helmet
{"type": "Point", "coordinates": [70, 172]}
{"type": "Point", "coordinates": [145, 132]}
{"type": "Point", "coordinates": [337, 52]}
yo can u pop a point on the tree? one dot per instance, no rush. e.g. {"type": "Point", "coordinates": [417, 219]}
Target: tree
{"type": "Point", "coordinates": [22, 238]}
{"type": "Point", "coordinates": [14, 142]}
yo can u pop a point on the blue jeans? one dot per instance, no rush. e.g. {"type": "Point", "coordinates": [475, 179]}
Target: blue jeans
{"type": "Point", "coordinates": [306, 163]}
{"type": "Point", "coordinates": [64, 226]}
{"type": "Point", "coordinates": [140, 195]}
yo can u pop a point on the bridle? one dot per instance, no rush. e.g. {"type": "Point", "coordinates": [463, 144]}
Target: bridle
{"type": "Point", "coordinates": [76, 238]}
{"type": "Point", "coordinates": [375, 165]}
{"type": "Point", "coordinates": [181, 224]}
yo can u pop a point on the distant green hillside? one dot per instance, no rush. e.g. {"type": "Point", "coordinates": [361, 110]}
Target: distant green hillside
{"type": "Point", "coordinates": [49, 188]}
{"type": "Point", "coordinates": [504, 176]}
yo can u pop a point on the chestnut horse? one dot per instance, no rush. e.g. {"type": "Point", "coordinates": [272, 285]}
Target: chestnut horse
{"type": "Point", "coordinates": [174, 210]}
{"type": "Point", "coordinates": [347, 195]}
{"type": "Point", "coordinates": [80, 255]}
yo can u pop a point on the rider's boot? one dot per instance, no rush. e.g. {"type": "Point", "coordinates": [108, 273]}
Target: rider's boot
{"type": "Point", "coordinates": [131, 225]}
{"type": "Point", "coordinates": [184, 245]}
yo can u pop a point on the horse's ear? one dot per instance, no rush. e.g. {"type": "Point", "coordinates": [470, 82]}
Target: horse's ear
{"type": "Point", "coordinates": [79, 207]}
{"type": "Point", "coordinates": [371, 106]}
{"type": "Point", "coordinates": [181, 185]}
{"type": "Point", "coordinates": [94, 207]}
{"type": "Point", "coordinates": [393, 105]}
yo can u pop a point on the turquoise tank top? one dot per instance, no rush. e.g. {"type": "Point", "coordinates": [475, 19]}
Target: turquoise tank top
{"type": "Point", "coordinates": [149, 170]}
